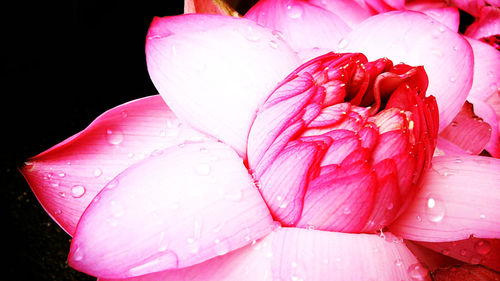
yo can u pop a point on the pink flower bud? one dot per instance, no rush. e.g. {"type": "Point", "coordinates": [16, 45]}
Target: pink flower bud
{"type": "Point", "coordinates": [342, 143]}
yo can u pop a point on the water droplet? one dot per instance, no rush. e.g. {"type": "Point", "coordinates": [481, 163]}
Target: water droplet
{"type": "Point", "coordinates": [61, 174]}
{"type": "Point", "coordinates": [417, 272]}
{"type": "Point", "coordinates": [54, 183]}
{"type": "Point", "coordinates": [77, 254]}
{"type": "Point", "coordinates": [482, 216]}
{"type": "Point", "coordinates": [463, 252]}
{"type": "Point", "coordinates": [159, 261]}
{"type": "Point", "coordinates": [347, 211]}
{"type": "Point", "coordinates": [343, 43]}
{"type": "Point", "coordinates": [273, 44]}
{"type": "Point", "coordinates": [221, 247]}
{"type": "Point", "coordinates": [112, 184]}
{"type": "Point", "coordinates": [156, 153]}
{"type": "Point", "coordinates": [124, 114]}
{"type": "Point", "coordinates": [482, 247]}
{"type": "Point", "coordinates": [163, 243]}
{"type": "Point", "coordinates": [398, 262]}
{"type": "Point", "coordinates": [251, 34]}
{"type": "Point", "coordinates": [435, 210]}
{"type": "Point", "coordinates": [97, 172]}
{"type": "Point", "coordinates": [193, 245]}
{"type": "Point", "coordinates": [278, 35]}
{"type": "Point", "coordinates": [390, 206]}
{"type": "Point", "coordinates": [203, 169]}
{"type": "Point", "coordinates": [77, 191]}
{"type": "Point", "coordinates": [453, 79]}
{"type": "Point", "coordinates": [117, 209]}
{"type": "Point", "coordinates": [475, 260]}
{"type": "Point", "coordinates": [445, 252]}
{"type": "Point", "coordinates": [114, 137]}
{"type": "Point", "coordinates": [62, 194]}
{"type": "Point", "coordinates": [442, 29]}
{"type": "Point", "coordinates": [294, 11]}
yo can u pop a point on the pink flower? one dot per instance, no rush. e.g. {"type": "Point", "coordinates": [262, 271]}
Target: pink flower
{"type": "Point", "coordinates": [266, 165]}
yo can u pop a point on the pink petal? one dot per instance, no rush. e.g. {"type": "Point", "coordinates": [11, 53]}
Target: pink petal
{"type": "Point", "coordinates": [217, 7]}
{"type": "Point", "coordinates": [348, 10]}
{"type": "Point", "coordinates": [66, 177]}
{"type": "Point", "coordinates": [417, 39]}
{"type": "Point", "coordinates": [304, 26]}
{"type": "Point", "coordinates": [468, 131]}
{"type": "Point", "coordinates": [301, 254]}
{"type": "Point", "coordinates": [473, 250]}
{"type": "Point", "coordinates": [487, 25]}
{"type": "Point", "coordinates": [459, 198]}
{"type": "Point", "coordinates": [448, 16]}
{"type": "Point", "coordinates": [177, 208]}
{"type": "Point", "coordinates": [488, 114]}
{"type": "Point", "coordinates": [215, 71]}
{"type": "Point", "coordinates": [486, 70]}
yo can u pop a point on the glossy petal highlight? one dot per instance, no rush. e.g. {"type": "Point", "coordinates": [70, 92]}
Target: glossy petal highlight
{"type": "Point", "coordinates": [460, 197]}
{"type": "Point", "coordinates": [66, 177]}
{"type": "Point", "coordinates": [172, 210]}
{"type": "Point", "coordinates": [215, 71]}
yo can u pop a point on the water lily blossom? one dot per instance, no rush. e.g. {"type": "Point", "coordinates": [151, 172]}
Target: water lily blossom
{"type": "Point", "coordinates": [274, 153]}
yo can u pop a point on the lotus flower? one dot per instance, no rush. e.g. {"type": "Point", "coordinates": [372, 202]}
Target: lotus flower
{"type": "Point", "coordinates": [260, 160]}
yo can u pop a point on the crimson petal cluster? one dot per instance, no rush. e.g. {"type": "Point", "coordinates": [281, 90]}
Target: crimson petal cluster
{"type": "Point", "coordinates": [342, 143]}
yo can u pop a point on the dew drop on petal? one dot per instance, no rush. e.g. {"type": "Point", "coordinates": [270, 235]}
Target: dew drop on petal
{"type": "Point", "coordinates": [417, 272]}
{"type": "Point", "coordinates": [114, 137]}
{"type": "Point", "coordinates": [398, 262]}
{"type": "Point", "coordinates": [251, 34]}
{"type": "Point", "coordinates": [164, 260]}
{"type": "Point", "coordinates": [273, 44]}
{"type": "Point", "coordinates": [77, 191]}
{"type": "Point", "coordinates": [221, 247]}
{"type": "Point", "coordinates": [193, 245]}
{"type": "Point", "coordinates": [482, 247]}
{"type": "Point", "coordinates": [343, 43]}
{"type": "Point", "coordinates": [435, 209]}
{"type": "Point", "coordinates": [97, 172]}
{"type": "Point", "coordinates": [112, 184]}
{"type": "Point", "coordinates": [294, 11]}
{"type": "Point", "coordinates": [77, 254]}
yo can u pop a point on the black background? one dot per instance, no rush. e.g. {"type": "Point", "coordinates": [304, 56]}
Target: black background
{"type": "Point", "coordinates": [63, 64]}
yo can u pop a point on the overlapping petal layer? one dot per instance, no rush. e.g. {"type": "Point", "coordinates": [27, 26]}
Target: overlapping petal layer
{"type": "Point", "coordinates": [417, 39]}
{"type": "Point", "coordinates": [301, 254]}
{"type": "Point", "coordinates": [66, 177]}
{"type": "Point", "coordinates": [179, 207]}
{"type": "Point", "coordinates": [460, 197]}
{"type": "Point", "coordinates": [215, 71]}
